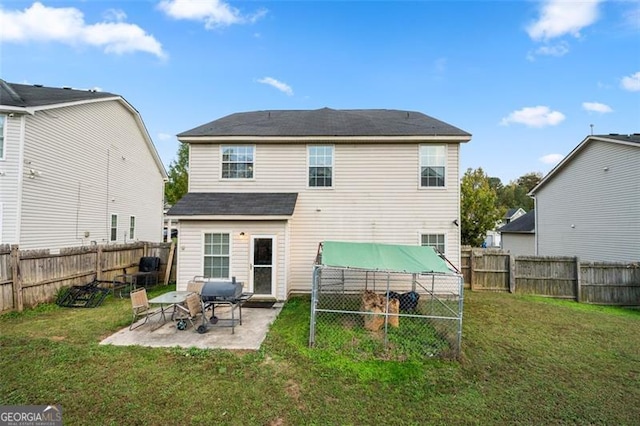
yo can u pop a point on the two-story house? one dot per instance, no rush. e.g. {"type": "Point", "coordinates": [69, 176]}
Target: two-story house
{"type": "Point", "coordinates": [266, 187]}
{"type": "Point", "coordinates": [589, 204]}
{"type": "Point", "coordinates": [77, 167]}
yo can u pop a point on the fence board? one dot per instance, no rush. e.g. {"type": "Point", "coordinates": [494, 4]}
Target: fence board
{"type": "Point", "coordinates": [558, 277]}
{"type": "Point", "coordinates": [42, 274]}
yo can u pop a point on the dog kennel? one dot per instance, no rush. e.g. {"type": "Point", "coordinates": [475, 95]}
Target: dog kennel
{"type": "Point", "coordinates": [385, 301]}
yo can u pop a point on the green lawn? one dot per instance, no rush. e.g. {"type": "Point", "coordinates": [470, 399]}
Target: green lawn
{"type": "Point", "coordinates": [525, 360]}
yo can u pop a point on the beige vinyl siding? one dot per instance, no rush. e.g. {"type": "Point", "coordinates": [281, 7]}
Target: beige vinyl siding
{"type": "Point", "coordinates": [602, 205]}
{"type": "Point", "coordinates": [376, 196]}
{"type": "Point", "coordinates": [519, 244]}
{"type": "Point", "coordinates": [10, 180]}
{"type": "Point", "coordinates": [191, 255]}
{"type": "Point", "coordinates": [92, 162]}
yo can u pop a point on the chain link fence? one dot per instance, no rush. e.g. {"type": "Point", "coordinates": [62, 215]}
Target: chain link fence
{"type": "Point", "coordinates": [386, 315]}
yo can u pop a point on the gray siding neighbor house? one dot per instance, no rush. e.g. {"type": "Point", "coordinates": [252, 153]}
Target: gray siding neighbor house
{"type": "Point", "coordinates": [76, 167]}
{"type": "Point", "coordinates": [589, 205]}
{"type": "Point", "coordinates": [518, 236]}
{"type": "Point", "coordinates": [265, 187]}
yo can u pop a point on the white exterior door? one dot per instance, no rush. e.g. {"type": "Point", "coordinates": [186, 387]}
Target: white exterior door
{"type": "Point", "coordinates": [262, 266]}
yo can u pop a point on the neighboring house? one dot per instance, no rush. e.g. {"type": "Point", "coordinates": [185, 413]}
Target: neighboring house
{"type": "Point", "coordinates": [493, 238]}
{"type": "Point", "coordinates": [589, 205]}
{"type": "Point", "coordinates": [266, 187]}
{"type": "Point", "coordinates": [518, 236]}
{"type": "Point", "coordinates": [77, 167]}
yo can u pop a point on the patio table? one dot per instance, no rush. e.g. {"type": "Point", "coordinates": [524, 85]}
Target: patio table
{"type": "Point", "coordinates": [167, 301]}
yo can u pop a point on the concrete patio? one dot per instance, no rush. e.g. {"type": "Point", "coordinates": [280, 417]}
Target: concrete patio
{"type": "Point", "coordinates": [248, 336]}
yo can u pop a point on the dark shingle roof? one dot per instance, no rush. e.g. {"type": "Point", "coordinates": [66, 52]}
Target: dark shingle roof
{"type": "Point", "coordinates": [24, 96]}
{"type": "Point", "coordinates": [634, 137]}
{"type": "Point", "coordinates": [235, 204]}
{"type": "Point", "coordinates": [327, 122]}
{"type": "Point", "coordinates": [511, 212]}
{"type": "Point", "coordinates": [524, 224]}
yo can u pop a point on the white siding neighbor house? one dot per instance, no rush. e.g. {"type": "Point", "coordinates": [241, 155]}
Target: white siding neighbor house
{"type": "Point", "coordinates": [589, 205]}
{"type": "Point", "coordinates": [518, 235]}
{"type": "Point", "coordinates": [266, 187]}
{"type": "Point", "coordinates": [493, 237]}
{"type": "Point", "coordinates": [77, 167]}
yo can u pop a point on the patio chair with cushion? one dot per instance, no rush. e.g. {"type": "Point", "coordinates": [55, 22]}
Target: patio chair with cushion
{"type": "Point", "coordinates": [140, 307]}
{"type": "Point", "coordinates": [189, 311]}
{"type": "Point", "coordinates": [195, 286]}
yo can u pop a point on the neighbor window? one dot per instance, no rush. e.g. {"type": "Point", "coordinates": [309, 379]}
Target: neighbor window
{"type": "Point", "coordinates": [237, 162]}
{"type": "Point", "coordinates": [2, 126]}
{"type": "Point", "coordinates": [132, 227]}
{"type": "Point", "coordinates": [432, 165]}
{"type": "Point", "coordinates": [434, 240]}
{"type": "Point", "coordinates": [321, 166]}
{"type": "Point", "coordinates": [114, 228]}
{"type": "Point", "coordinates": [216, 256]}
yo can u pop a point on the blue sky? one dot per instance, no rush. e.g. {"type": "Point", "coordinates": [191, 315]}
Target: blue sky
{"type": "Point", "coordinates": [526, 78]}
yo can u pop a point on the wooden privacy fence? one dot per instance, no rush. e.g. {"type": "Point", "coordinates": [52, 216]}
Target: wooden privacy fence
{"type": "Point", "coordinates": [30, 277]}
{"type": "Point", "coordinates": [604, 283]}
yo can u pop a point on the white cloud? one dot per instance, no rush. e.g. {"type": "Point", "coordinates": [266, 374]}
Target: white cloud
{"type": "Point", "coordinates": [538, 116]}
{"type": "Point", "coordinates": [283, 87]}
{"type": "Point", "coordinates": [551, 158]}
{"type": "Point", "coordinates": [631, 82]}
{"type": "Point", "coordinates": [561, 17]}
{"type": "Point", "coordinates": [214, 13]}
{"type": "Point", "coordinates": [66, 25]}
{"type": "Point", "coordinates": [558, 50]}
{"type": "Point", "coordinates": [596, 107]}
{"type": "Point", "coordinates": [164, 136]}
{"type": "Point", "coordinates": [115, 15]}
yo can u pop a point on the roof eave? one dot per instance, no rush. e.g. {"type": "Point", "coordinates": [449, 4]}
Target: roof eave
{"type": "Point", "coordinates": [350, 139]}
{"type": "Point", "coordinates": [570, 156]}
{"type": "Point", "coordinates": [184, 217]}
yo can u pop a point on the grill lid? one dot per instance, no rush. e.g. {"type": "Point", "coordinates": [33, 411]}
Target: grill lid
{"type": "Point", "coordinates": [221, 290]}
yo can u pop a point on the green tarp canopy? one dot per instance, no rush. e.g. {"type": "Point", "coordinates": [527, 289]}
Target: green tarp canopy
{"type": "Point", "coordinates": [383, 257]}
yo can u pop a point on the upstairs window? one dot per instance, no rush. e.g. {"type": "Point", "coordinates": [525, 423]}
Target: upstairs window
{"type": "Point", "coordinates": [216, 256]}
{"type": "Point", "coordinates": [2, 127]}
{"type": "Point", "coordinates": [432, 165]}
{"type": "Point", "coordinates": [114, 228]}
{"type": "Point", "coordinates": [132, 227]}
{"type": "Point", "coordinates": [320, 166]}
{"type": "Point", "coordinates": [434, 240]}
{"type": "Point", "coordinates": [237, 162]}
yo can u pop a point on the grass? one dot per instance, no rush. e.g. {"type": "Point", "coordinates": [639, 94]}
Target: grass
{"type": "Point", "coordinates": [525, 360]}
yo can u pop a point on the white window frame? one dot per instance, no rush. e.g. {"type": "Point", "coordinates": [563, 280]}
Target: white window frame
{"type": "Point", "coordinates": [253, 162]}
{"type": "Point", "coordinates": [228, 255]}
{"type": "Point", "coordinates": [112, 228]}
{"type": "Point", "coordinates": [3, 136]}
{"type": "Point", "coordinates": [435, 234]}
{"type": "Point", "coordinates": [333, 159]}
{"type": "Point", "coordinates": [424, 164]}
{"type": "Point", "coordinates": [132, 227]}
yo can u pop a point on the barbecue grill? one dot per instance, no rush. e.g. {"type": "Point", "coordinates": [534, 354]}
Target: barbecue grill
{"type": "Point", "coordinates": [219, 292]}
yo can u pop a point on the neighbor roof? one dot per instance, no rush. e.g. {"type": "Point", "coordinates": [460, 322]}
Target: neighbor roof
{"type": "Point", "coordinates": [234, 204]}
{"type": "Point", "coordinates": [24, 96]}
{"type": "Point", "coordinates": [327, 122]}
{"type": "Point", "coordinates": [630, 140]}
{"type": "Point", "coordinates": [525, 224]}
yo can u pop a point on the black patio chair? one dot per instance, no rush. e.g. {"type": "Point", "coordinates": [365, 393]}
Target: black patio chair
{"type": "Point", "coordinates": [148, 271]}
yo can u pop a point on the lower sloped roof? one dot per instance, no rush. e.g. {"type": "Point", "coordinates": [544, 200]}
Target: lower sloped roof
{"type": "Point", "coordinates": [235, 204]}
{"type": "Point", "coordinates": [383, 257]}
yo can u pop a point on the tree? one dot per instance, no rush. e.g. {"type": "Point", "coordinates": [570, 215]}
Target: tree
{"type": "Point", "coordinates": [478, 210]}
{"type": "Point", "coordinates": [514, 194]}
{"type": "Point", "coordinates": [178, 173]}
